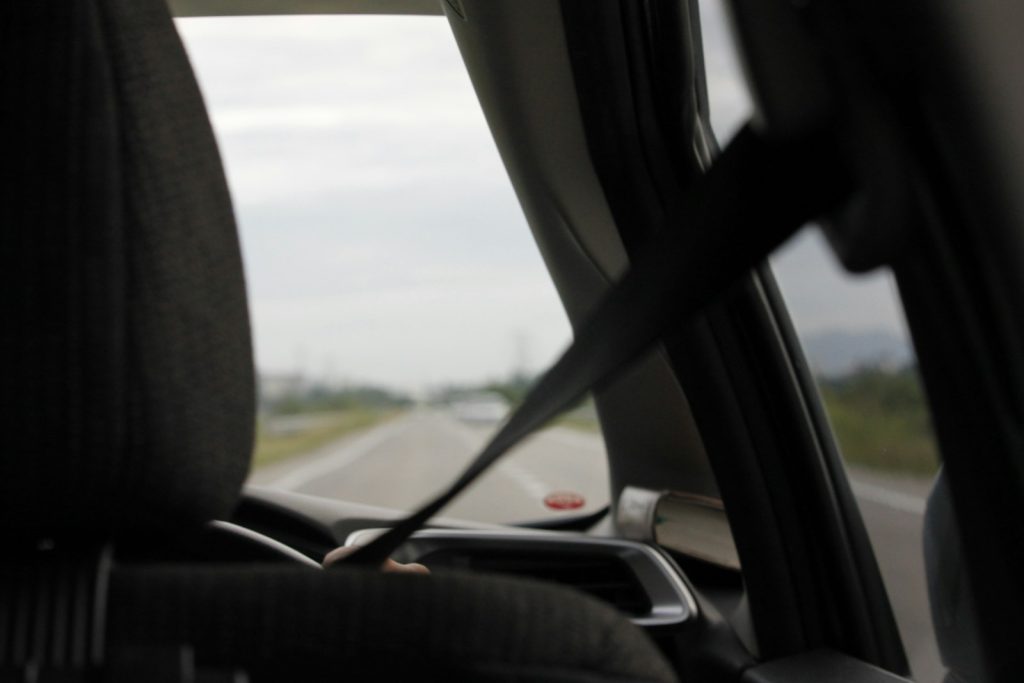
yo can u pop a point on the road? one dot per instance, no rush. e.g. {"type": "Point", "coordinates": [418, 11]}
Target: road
{"type": "Point", "coordinates": [402, 462]}
{"type": "Point", "coordinates": [893, 512]}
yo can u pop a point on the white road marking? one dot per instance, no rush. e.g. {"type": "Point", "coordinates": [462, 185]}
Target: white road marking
{"type": "Point", "coordinates": [473, 443]}
{"type": "Point", "coordinates": [531, 484]}
{"type": "Point", "coordinates": [340, 456]}
{"type": "Point", "coordinates": [893, 499]}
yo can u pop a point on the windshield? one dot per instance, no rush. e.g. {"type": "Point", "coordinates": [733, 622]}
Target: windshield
{"type": "Point", "coordinates": [400, 306]}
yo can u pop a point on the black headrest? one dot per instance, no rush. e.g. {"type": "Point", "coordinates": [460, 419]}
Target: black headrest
{"type": "Point", "coordinates": [126, 396]}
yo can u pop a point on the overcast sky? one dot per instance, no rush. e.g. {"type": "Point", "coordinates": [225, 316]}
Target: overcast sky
{"type": "Point", "coordinates": [382, 240]}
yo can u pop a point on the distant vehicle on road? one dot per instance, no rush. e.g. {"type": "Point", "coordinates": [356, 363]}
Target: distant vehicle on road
{"type": "Point", "coordinates": [484, 407]}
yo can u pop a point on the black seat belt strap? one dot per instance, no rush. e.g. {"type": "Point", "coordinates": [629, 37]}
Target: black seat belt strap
{"type": "Point", "coordinates": [757, 193]}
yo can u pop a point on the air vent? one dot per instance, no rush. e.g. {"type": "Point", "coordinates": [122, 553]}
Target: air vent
{"type": "Point", "coordinates": [634, 577]}
{"type": "Point", "coordinates": [605, 577]}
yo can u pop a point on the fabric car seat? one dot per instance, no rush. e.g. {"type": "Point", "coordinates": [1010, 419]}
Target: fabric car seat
{"type": "Point", "coordinates": [128, 410]}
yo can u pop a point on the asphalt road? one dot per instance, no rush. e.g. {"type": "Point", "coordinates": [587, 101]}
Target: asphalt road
{"type": "Point", "coordinates": [405, 461]}
{"type": "Point", "coordinates": [402, 462]}
{"type": "Point", "coordinates": [893, 512]}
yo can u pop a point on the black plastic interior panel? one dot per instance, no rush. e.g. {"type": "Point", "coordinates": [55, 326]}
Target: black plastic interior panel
{"type": "Point", "coordinates": [211, 8]}
{"type": "Point", "coordinates": [638, 579]}
{"type": "Point", "coordinates": [604, 577]}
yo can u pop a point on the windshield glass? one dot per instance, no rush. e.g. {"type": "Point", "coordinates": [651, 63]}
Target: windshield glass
{"type": "Point", "coordinates": [400, 306]}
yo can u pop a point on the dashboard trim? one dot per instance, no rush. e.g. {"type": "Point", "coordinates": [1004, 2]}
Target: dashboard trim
{"type": "Point", "coordinates": [672, 601]}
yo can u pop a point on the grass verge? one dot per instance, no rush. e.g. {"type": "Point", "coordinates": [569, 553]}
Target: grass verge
{"type": "Point", "coordinates": [882, 440]}
{"type": "Point", "coordinates": [879, 416]}
{"type": "Point", "coordinates": [881, 421]}
{"type": "Point", "coordinates": [322, 428]}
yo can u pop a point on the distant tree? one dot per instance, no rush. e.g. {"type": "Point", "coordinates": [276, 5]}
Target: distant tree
{"type": "Point", "coordinates": [512, 389]}
{"type": "Point", "coordinates": [320, 398]}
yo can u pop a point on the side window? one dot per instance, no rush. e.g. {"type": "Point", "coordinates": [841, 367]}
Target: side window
{"type": "Point", "coordinates": [400, 306]}
{"type": "Point", "coordinates": [856, 343]}
{"type": "Point", "coordinates": [855, 339]}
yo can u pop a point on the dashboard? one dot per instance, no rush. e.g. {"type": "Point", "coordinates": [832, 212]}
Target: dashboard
{"type": "Point", "coordinates": [637, 579]}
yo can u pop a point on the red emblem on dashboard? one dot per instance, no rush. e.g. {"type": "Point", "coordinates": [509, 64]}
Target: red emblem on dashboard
{"type": "Point", "coordinates": [564, 500]}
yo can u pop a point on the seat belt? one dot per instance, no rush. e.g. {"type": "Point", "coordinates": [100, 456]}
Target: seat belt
{"type": "Point", "coordinates": [758, 192]}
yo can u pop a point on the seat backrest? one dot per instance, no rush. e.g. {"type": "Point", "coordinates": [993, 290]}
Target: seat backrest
{"type": "Point", "coordinates": [128, 399]}
{"type": "Point", "coordinates": [128, 410]}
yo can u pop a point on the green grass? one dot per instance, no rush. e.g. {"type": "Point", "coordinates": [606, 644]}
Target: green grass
{"type": "Point", "coordinates": [328, 427]}
{"type": "Point", "coordinates": [881, 420]}
{"type": "Point", "coordinates": [879, 417]}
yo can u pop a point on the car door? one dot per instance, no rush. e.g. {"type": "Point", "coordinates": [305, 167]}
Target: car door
{"type": "Point", "coordinates": [897, 231]}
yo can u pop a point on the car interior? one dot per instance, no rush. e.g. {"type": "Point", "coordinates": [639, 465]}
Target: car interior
{"type": "Point", "coordinates": [733, 548]}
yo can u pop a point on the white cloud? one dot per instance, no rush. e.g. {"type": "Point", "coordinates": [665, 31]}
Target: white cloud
{"type": "Point", "coordinates": [729, 98]}
{"type": "Point", "coordinates": [232, 120]}
{"type": "Point", "coordinates": [382, 238]}
{"type": "Point", "coordinates": [412, 335]}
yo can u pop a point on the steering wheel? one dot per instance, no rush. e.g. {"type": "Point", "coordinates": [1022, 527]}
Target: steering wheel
{"type": "Point", "coordinates": [237, 542]}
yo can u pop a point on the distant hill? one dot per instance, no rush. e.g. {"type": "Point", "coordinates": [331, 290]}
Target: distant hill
{"type": "Point", "coordinates": [835, 353]}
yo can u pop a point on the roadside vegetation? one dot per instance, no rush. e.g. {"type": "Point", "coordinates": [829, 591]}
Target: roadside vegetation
{"type": "Point", "coordinates": [881, 419]}
{"type": "Point", "coordinates": [878, 413]}
{"type": "Point", "coordinates": [512, 389]}
{"type": "Point", "coordinates": [298, 418]}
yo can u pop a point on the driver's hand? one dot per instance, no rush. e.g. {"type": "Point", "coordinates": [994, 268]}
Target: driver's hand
{"type": "Point", "coordinates": [388, 566]}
